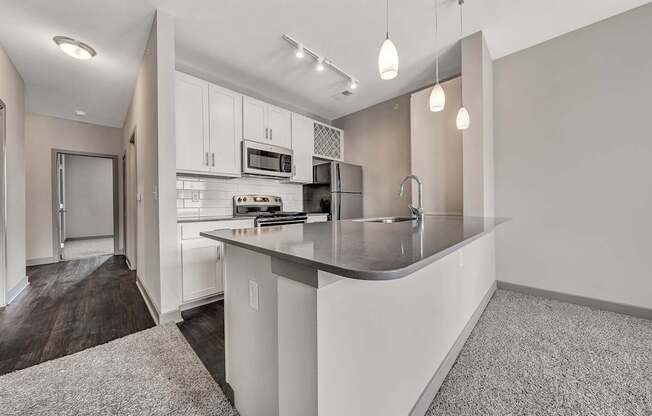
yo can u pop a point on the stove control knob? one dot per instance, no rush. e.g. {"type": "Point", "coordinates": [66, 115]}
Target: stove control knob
{"type": "Point", "coordinates": [244, 199]}
{"type": "Point", "coordinates": [239, 199]}
{"type": "Point", "coordinates": [278, 199]}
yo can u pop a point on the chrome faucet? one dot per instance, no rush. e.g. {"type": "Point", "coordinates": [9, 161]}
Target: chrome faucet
{"type": "Point", "coordinates": [416, 211]}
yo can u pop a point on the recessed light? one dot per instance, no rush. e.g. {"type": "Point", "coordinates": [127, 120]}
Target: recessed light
{"type": "Point", "coordinates": [81, 113]}
{"type": "Point", "coordinates": [320, 65]}
{"type": "Point", "coordinates": [74, 48]}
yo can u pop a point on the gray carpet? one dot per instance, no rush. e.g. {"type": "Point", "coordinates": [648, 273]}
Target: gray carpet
{"type": "Point", "coordinates": [535, 356]}
{"type": "Point", "coordinates": [153, 372]}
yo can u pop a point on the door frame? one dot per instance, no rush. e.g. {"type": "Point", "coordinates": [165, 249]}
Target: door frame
{"type": "Point", "coordinates": [57, 252]}
{"type": "Point", "coordinates": [3, 204]}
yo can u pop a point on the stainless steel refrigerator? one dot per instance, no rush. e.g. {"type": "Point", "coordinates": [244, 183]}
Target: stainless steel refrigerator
{"type": "Point", "coordinates": [345, 181]}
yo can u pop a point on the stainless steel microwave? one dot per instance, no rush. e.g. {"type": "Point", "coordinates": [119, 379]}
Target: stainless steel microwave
{"type": "Point", "coordinates": [262, 159]}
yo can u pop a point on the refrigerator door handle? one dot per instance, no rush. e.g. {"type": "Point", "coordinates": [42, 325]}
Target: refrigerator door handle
{"type": "Point", "coordinates": [339, 178]}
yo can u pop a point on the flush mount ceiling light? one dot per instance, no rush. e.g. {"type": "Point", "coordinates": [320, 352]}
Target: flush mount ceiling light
{"type": "Point", "coordinates": [437, 95]}
{"type": "Point", "coordinates": [463, 119]}
{"type": "Point", "coordinates": [73, 47]}
{"type": "Point", "coordinates": [388, 55]}
{"type": "Point", "coordinates": [321, 62]}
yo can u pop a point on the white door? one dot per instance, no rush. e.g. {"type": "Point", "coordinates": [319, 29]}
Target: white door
{"type": "Point", "coordinates": [225, 130]}
{"type": "Point", "coordinates": [201, 268]}
{"type": "Point", "coordinates": [192, 124]}
{"type": "Point", "coordinates": [302, 148]}
{"type": "Point", "coordinates": [61, 201]}
{"type": "Point", "coordinates": [254, 120]}
{"type": "Point", "coordinates": [280, 126]}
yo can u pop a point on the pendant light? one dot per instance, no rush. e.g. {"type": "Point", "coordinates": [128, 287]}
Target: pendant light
{"type": "Point", "coordinates": [463, 118]}
{"type": "Point", "coordinates": [388, 56]}
{"type": "Point", "coordinates": [437, 95]}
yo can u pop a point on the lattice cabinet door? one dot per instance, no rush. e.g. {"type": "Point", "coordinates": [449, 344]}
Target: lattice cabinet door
{"type": "Point", "coordinates": [328, 141]}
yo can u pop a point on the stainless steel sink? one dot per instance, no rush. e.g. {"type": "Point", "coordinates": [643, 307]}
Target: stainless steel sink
{"type": "Point", "coordinates": [388, 220]}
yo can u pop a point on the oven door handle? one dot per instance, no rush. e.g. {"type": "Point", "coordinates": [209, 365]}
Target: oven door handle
{"type": "Point", "coordinates": [269, 224]}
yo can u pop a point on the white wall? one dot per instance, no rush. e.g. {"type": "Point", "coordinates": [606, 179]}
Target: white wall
{"type": "Point", "coordinates": [42, 134]}
{"type": "Point", "coordinates": [88, 196]}
{"type": "Point", "coordinates": [12, 93]}
{"type": "Point", "coordinates": [436, 150]}
{"type": "Point", "coordinates": [573, 162]}
{"type": "Point", "coordinates": [151, 116]}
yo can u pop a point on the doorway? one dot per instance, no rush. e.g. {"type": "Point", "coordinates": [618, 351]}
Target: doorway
{"type": "Point", "coordinates": [85, 204]}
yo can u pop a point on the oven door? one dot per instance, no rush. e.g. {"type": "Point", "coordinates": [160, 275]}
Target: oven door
{"type": "Point", "coordinates": [266, 160]}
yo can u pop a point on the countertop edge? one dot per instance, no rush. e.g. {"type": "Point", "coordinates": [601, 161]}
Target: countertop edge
{"type": "Point", "coordinates": [369, 275]}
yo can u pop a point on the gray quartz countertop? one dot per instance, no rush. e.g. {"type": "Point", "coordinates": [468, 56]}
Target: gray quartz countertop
{"type": "Point", "coordinates": [363, 250]}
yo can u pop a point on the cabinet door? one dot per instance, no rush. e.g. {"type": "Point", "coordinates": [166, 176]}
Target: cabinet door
{"type": "Point", "coordinates": [280, 126]}
{"type": "Point", "coordinates": [201, 268]}
{"type": "Point", "coordinates": [254, 120]}
{"type": "Point", "coordinates": [302, 148]}
{"type": "Point", "coordinates": [225, 130]}
{"type": "Point", "coordinates": [192, 124]}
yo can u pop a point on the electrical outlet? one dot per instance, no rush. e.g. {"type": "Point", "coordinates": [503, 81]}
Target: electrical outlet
{"type": "Point", "coordinates": [253, 295]}
{"type": "Point", "coordinates": [195, 196]}
{"type": "Point", "coordinates": [460, 259]}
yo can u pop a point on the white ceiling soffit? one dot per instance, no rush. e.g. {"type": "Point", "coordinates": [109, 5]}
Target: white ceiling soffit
{"type": "Point", "coordinates": [57, 84]}
{"type": "Point", "coordinates": [238, 43]}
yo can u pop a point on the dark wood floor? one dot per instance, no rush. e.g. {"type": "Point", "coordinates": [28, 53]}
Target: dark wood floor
{"type": "Point", "coordinates": [68, 307]}
{"type": "Point", "coordinates": [203, 328]}
{"type": "Point", "coordinates": [79, 304]}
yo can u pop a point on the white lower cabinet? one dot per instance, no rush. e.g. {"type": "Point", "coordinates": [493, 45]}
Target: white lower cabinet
{"type": "Point", "coordinates": [202, 267]}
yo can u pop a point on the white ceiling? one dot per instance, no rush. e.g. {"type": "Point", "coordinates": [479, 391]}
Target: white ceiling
{"type": "Point", "coordinates": [238, 44]}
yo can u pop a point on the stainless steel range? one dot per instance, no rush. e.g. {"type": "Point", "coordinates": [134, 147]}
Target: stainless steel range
{"type": "Point", "coordinates": [267, 210]}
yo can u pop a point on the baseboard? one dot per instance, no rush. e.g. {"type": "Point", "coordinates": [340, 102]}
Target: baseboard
{"type": "Point", "coordinates": [171, 316]}
{"type": "Point", "coordinates": [43, 260]}
{"type": "Point", "coordinates": [201, 302]}
{"type": "Point", "coordinates": [150, 305]}
{"type": "Point", "coordinates": [129, 263]}
{"type": "Point", "coordinates": [17, 290]}
{"type": "Point", "coordinates": [636, 311]}
{"type": "Point", "coordinates": [429, 393]}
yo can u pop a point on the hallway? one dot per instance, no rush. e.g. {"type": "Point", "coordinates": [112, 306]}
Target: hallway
{"type": "Point", "coordinates": [70, 306]}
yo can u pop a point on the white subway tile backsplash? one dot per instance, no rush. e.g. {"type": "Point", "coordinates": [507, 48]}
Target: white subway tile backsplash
{"type": "Point", "coordinates": [214, 196]}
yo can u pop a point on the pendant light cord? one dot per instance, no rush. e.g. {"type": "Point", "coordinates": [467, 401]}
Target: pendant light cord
{"type": "Point", "coordinates": [461, 2]}
{"type": "Point", "coordinates": [436, 43]}
{"type": "Point", "coordinates": [387, 20]}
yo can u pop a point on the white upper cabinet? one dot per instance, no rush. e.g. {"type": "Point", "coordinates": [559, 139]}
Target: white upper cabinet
{"type": "Point", "coordinates": [225, 109]}
{"type": "Point", "coordinates": [254, 115]}
{"type": "Point", "coordinates": [265, 123]}
{"type": "Point", "coordinates": [192, 129]}
{"type": "Point", "coordinates": [208, 127]}
{"type": "Point", "coordinates": [302, 148]}
{"type": "Point", "coordinates": [280, 126]}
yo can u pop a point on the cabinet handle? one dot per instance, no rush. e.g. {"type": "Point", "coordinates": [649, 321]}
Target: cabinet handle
{"type": "Point", "coordinates": [207, 159]}
{"type": "Point", "coordinates": [213, 158]}
{"type": "Point", "coordinates": [271, 134]}
{"type": "Point", "coordinates": [266, 133]}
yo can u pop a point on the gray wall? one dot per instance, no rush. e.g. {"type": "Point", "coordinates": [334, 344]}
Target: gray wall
{"type": "Point", "coordinates": [12, 93]}
{"type": "Point", "coordinates": [378, 138]}
{"type": "Point", "coordinates": [436, 149]}
{"type": "Point", "coordinates": [573, 155]}
{"type": "Point", "coordinates": [88, 196]}
{"type": "Point", "coordinates": [42, 134]}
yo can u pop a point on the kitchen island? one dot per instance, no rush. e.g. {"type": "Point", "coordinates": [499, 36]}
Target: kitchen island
{"type": "Point", "coordinates": [351, 317]}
